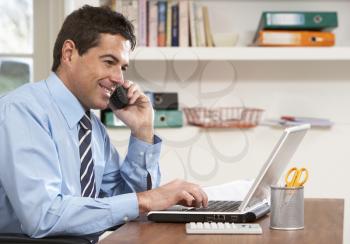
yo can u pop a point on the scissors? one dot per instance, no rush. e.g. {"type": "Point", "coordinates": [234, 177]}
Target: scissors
{"type": "Point", "coordinates": [294, 177]}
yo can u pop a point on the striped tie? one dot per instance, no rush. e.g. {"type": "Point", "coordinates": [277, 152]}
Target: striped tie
{"type": "Point", "coordinates": [87, 177]}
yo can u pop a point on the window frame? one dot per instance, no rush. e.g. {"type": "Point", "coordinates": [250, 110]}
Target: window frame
{"type": "Point", "coordinates": [48, 16]}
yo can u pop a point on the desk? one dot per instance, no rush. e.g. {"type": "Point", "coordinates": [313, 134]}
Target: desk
{"type": "Point", "coordinates": [323, 224]}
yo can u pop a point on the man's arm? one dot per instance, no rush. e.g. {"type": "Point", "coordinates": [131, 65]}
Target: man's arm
{"type": "Point", "coordinates": [138, 116]}
{"type": "Point", "coordinates": [140, 169]}
{"type": "Point", "coordinates": [32, 179]}
{"type": "Point", "coordinates": [131, 175]}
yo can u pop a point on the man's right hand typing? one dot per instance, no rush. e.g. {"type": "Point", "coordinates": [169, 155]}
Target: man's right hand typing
{"type": "Point", "coordinates": [172, 193]}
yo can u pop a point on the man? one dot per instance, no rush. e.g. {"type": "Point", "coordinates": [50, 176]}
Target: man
{"type": "Point", "coordinates": [60, 174]}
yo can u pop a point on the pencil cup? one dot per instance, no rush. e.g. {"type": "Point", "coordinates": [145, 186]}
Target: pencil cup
{"type": "Point", "coordinates": [287, 208]}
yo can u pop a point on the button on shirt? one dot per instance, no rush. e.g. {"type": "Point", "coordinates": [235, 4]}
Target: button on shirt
{"type": "Point", "coordinates": [40, 191]}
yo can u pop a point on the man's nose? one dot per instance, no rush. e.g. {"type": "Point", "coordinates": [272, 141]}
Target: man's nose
{"type": "Point", "coordinates": [117, 76]}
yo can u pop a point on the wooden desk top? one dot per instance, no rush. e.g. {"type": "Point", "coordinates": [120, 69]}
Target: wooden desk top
{"type": "Point", "coordinates": [323, 224]}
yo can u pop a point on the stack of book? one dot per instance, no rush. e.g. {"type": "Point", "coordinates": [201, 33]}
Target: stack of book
{"type": "Point", "coordinates": [296, 29]}
{"type": "Point", "coordinates": [166, 23]}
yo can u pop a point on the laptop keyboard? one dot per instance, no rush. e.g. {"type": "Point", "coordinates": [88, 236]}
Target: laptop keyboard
{"type": "Point", "coordinates": [219, 206]}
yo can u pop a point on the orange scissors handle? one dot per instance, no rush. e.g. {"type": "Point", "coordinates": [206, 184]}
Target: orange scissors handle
{"type": "Point", "coordinates": [294, 177]}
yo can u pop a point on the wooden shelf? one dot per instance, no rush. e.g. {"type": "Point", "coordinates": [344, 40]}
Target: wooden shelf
{"type": "Point", "coordinates": [242, 54]}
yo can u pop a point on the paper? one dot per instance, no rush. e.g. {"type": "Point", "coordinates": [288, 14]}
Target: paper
{"type": "Point", "coordinates": [232, 191]}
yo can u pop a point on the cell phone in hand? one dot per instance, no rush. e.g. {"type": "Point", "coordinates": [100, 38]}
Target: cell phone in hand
{"type": "Point", "coordinates": [119, 98]}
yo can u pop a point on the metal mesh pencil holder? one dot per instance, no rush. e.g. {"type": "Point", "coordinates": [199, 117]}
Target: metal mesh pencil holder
{"type": "Point", "coordinates": [287, 208]}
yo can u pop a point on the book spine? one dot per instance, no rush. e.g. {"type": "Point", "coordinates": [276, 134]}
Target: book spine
{"type": "Point", "coordinates": [300, 20]}
{"type": "Point", "coordinates": [199, 25]}
{"type": "Point", "coordinates": [193, 39]}
{"type": "Point", "coordinates": [129, 8]}
{"type": "Point", "coordinates": [162, 6]}
{"type": "Point", "coordinates": [147, 22]}
{"type": "Point", "coordinates": [207, 29]}
{"type": "Point", "coordinates": [153, 24]}
{"type": "Point", "coordinates": [142, 22]}
{"type": "Point", "coordinates": [175, 25]}
{"type": "Point", "coordinates": [168, 23]}
{"type": "Point", "coordinates": [183, 23]}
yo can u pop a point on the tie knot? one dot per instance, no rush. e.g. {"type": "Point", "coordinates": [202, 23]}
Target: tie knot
{"type": "Point", "coordinates": [85, 121]}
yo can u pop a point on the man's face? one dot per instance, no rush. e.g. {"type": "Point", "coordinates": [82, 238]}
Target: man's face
{"type": "Point", "coordinates": [94, 75]}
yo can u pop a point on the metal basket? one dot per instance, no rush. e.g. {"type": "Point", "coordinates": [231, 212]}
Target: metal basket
{"type": "Point", "coordinates": [223, 117]}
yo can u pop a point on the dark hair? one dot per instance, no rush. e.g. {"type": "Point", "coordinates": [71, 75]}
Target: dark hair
{"type": "Point", "coordinates": [84, 26]}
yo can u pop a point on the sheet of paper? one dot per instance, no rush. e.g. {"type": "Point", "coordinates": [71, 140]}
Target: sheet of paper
{"type": "Point", "coordinates": [232, 191]}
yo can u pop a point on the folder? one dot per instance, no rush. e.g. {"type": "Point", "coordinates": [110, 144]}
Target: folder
{"type": "Point", "coordinates": [168, 118]}
{"type": "Point", "coordinates": [162, 119]}
{"type": "Point", "coordinates": [163, 100]}
{"type": "Point", "coordinates": [294, 38]}
{"type": "Point", "coordinates": [298, 20]}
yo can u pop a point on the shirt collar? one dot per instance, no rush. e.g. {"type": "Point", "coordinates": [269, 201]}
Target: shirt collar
{"type": "Point", "coordinates": [68, 104]}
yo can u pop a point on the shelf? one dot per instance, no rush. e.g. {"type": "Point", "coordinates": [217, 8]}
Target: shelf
{"type": "Point", "coordinates": [243, 54]}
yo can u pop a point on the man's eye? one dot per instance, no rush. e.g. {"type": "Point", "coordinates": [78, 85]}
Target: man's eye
{"type": "Point", "coordinates": [109, 62]}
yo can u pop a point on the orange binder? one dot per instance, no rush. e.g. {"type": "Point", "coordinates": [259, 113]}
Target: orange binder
{"type": "Point", "coordinates": [287, 38]}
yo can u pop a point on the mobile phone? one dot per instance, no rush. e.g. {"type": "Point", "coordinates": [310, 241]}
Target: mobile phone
{"type": "Point", "coordinates": [119, 98]}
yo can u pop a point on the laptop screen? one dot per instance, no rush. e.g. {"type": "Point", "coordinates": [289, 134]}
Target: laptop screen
{"type": "Point", "coordinates": [272, 170]}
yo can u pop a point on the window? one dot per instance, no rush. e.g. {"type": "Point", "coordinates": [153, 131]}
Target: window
{"type": "Point", "coordinates": [16, 43]}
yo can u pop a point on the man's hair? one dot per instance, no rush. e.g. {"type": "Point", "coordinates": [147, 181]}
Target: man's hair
{"type": "Point", "coordinates": [84, 26]}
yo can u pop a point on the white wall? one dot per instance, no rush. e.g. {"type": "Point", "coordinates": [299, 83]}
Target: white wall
{"type": "Point", "coordinates": [214, 156]}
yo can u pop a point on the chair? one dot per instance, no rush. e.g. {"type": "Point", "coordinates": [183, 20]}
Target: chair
{"type": "Point", "coordinates": [23, 239]}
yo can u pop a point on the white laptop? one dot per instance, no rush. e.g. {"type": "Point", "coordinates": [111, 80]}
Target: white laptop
{"type": "Point", "coordinates": [256, 202]}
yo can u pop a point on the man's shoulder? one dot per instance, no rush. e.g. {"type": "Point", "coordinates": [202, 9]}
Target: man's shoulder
{"type": "Point", "coordinates": [31, 96]}
{"type": "Point", "coordinates": [26, 93]}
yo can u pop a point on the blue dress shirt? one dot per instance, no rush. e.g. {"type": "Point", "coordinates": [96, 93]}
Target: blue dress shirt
{"type": "Point", "coordinates": [40, 191]}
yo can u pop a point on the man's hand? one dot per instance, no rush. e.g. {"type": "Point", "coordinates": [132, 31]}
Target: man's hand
{"type": "Point", "coordinates": [139, 114]}
{"type": "Point", "coordinates": [175, 192]}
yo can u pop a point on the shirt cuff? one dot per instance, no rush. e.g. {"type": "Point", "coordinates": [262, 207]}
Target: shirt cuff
{"type": "Point", "coordinates": [124, 207]}
{"type": "Point", "coordinates": [141, 151]}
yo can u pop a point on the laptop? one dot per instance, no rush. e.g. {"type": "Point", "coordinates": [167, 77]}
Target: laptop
{"type": "Point", "coordinates": [256, 203]}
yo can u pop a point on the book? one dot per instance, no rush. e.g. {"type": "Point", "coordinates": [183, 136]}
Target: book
{"type": "Point", "coordinates": [153, 24]}
{"type": "Point", "coordinates": [183, 23]}
{"type": "Point", "coordinates": [287, 121]}
{"type": "Point", "coordinates": [129, 8]}
{"type": "Point", "coordinates": [294, 38]}
{"type": "Point", "coordinates": [142, 23]}
{"type": "Point", "coordinates": [147, 22]}
{"type": "Point", "coordinates": [109, 3]}
{"type": "Point", "coordinates": [162, 7]}
{"type": "Point", "coordinates": [199, 24]}
{"type": "Point", "coordinates": [298, 20]}
{"type": "Point", "coordinates": [192, 29]}
{"type": "Point", "coordinates": [168, 22]}
{"type": "Point", "coordinates": [175, 25]}
{"type": "Point", "coordinates": [207, 29]}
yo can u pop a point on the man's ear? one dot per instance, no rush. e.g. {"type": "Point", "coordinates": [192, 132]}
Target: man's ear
{"type": "Point", "coordinates": [68, 51]}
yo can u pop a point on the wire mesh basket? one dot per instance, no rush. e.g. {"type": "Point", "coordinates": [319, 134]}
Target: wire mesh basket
{"type": "Point", "coordinates": [223, 117]}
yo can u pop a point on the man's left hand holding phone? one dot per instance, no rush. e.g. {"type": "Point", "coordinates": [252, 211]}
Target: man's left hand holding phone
{"type": "Point", "coordinates": [134, 108]}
